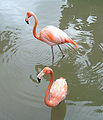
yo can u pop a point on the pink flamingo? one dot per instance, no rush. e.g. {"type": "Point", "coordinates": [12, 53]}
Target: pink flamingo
{"type": "Point", "coordinates": [50, 35]}
{"type": "Point", "coordinates": [58, 90]}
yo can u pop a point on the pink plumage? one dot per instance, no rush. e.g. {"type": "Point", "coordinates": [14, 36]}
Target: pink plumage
{"type": "Point", "coordinates": [50, 34]}
{"type": "Point", "coordinates": [53, 35]}
{"type": "Point", "coordinates": [57, 90]}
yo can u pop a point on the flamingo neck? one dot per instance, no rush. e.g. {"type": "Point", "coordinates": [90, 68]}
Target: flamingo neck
{"type": "Point", "coordinates": [46, 99]}
{"type": "Point", "coordinates": [34, 29]}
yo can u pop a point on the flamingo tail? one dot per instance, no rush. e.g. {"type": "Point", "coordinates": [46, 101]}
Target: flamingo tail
{"type": "Point", "coordinates": [72, 41]}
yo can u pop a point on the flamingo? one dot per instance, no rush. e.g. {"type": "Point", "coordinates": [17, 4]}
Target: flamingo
{"type": "Point", "coordinates": [57, 90]}
{"type": "Point", "coordinates": [50, 34]}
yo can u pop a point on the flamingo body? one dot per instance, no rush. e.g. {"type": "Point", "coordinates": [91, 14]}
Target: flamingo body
{"type": "Point", "coordinates": [53, 36]}
{"type": "Point", "coordinates": [57, 90]}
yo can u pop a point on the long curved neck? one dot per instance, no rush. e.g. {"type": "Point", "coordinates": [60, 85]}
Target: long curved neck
{"type": "Point", "coordinates": [46, 99]}
{"type": "Point", "coordinates": [34, 29]}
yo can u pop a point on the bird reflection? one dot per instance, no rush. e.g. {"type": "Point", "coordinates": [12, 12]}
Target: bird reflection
{"type": "Point", "coordinates": [38, 68]}
{"type": "Point", "coordinates": [58, 112]}
{"type": "Point", "coordinates": [31, 77]}
{"type": "Point", "coordinates": [8, 44]}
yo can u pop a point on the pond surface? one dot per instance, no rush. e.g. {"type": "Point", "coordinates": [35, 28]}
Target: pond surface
{"type": "Point", "coordinates": [22, 57]}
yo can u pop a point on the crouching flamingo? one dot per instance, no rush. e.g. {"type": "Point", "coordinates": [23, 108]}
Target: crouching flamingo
{"type": "Point", "coordinates": [57, 90]}
{"type": "Point", "coordinates": [50, 35]}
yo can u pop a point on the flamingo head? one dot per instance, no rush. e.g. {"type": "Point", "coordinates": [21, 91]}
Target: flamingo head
{"type": "Point", "coordinates": [45, 71]}
{"type": "Point", "coordinates": [29, 14]}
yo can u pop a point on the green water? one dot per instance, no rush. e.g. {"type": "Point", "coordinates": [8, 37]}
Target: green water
{"type": "Point", "coordinates": [22, 57]}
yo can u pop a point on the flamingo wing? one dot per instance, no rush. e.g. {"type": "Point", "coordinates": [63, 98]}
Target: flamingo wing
{"type": "Point", "coordinates": [53, 35]}
{"type": "Point", "coordinates": [58, 90]}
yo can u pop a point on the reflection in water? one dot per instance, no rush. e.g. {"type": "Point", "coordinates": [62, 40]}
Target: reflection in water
{"type": "Point", "coordinates": [31, 77]}
{"type": "Point", "coordinates": [89, 69]}
{"type": "Point", "coordinates": [55, 111]}
{"type": "Point", "coordinates": [99, 111]}
{"type": "Point", "coordinates": [22, 57]}
{"type": "Point", "coordinates": [8, 45]}
{"type": "Point", "coordinates": [38, 69]}
{"type": "Point", "coordinates": [81, 110]}
{"type": "Point", "coordinates": [58, 112]}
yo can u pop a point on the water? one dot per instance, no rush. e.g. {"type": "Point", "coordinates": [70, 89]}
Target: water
{"type": "Point", "coordinates": [22, 57]}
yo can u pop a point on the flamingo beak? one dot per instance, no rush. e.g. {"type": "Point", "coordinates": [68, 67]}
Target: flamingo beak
{"type": "Point", "coordinates": [39, 79]}
{"type": "Point", "coordinates": [26, 20]}
{"type": "Point", "coordinates": [39, 76]}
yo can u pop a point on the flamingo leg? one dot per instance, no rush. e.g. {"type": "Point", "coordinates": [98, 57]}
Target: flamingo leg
{"type": "Point", "coordinates": [52, 54]}
{"type": "Point", "coordinates": [61, 51]}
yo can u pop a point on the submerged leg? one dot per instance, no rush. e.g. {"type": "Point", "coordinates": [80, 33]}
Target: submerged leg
{"type": "Point", "coordinates": [61, 51]}
{"type": "Point", "coordinates": [52, 54]}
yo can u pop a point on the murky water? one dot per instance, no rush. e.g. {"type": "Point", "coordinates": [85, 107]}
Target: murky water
{"type": "Point", "coordinates": [22, 57]}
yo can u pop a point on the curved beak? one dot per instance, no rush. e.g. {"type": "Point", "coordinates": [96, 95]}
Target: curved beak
{"type": "Point", "coordinates": [39, 79]}
{"type": "Point", "coordinates": [39, 76]}
{"type": "Point", "coordinates": [26, 20]}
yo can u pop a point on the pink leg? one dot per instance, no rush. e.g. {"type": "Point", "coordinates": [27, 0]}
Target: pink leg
{"type": "Point", "coordinates": [52, 54]}
{"type": "Point", "coordinates": [61, 51]}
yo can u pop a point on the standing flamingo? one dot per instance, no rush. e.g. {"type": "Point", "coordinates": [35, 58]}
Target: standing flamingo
{"type": "Point", "coordinates": [58, 90]}
{"type": "Point", "coordinates": [50, 35]}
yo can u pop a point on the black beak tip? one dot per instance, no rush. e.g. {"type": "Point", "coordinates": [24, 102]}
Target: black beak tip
{"type": "Point", "coordinates": [39, 80]}
{"type": "Point", "coordinates": [26, 21]}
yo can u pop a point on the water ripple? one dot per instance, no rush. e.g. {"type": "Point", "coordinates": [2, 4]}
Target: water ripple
{"type": "Point", "coordinates": [8, 46]}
